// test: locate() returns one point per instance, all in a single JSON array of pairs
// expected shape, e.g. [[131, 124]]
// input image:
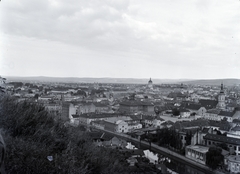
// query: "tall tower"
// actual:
[[150, 84], [221, 99]]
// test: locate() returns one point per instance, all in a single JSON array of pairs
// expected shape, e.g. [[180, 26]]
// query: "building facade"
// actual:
[[197, 153]]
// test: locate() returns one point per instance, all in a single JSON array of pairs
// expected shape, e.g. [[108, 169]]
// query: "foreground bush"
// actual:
[[37, 143]]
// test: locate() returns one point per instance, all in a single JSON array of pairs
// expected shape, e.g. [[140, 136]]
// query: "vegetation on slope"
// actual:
[[33, 137]]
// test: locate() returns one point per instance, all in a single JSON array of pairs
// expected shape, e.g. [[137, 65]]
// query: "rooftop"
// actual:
[[234, 158], [221, 138], [226, 113], [202, 149], [136, 103]]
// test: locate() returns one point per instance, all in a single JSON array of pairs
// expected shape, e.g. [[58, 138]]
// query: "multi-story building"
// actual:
[[233, 164], [232, 143], [197, 153], [134, 106]]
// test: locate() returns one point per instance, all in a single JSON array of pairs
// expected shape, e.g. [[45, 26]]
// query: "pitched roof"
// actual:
[[136, 103], [236, 128], [193, 123], [176, 94], [75, 116], [213, 111], [223, 139], [160, 118], [183, 110], [100, 135], [226, 113], [100, 104], [193, 106], [101, 115], [208, 104], [205, 130]]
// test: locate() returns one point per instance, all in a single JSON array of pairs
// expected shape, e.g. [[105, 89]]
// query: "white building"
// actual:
[[233, 164], [197, 153]]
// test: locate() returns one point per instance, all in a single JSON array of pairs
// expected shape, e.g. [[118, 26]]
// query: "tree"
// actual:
[[214, 158], [32, 135], [2, 83], [176, 112], [30, 91], [223, 146], [156, 110], [188, 138], [36, 96]]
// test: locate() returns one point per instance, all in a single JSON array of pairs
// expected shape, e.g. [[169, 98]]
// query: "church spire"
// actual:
[[222, 91]]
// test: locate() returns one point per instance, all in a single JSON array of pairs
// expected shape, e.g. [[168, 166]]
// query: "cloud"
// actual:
[[169, 34]]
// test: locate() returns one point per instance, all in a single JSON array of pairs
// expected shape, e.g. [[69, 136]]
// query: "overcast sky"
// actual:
[[165, 39]]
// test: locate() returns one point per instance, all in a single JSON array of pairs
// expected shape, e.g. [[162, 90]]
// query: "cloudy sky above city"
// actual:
[[164, 39]]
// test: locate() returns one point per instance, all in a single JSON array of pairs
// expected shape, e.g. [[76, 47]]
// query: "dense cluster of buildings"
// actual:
[[210, 113]]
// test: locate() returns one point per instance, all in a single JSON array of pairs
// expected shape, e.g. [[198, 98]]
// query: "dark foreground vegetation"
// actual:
[[38, 143]]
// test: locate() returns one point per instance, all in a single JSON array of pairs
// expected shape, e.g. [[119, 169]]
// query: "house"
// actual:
[[177, 96], [231, 106], [184, 113], [167, 124], [197, 153], [122, 126], [148, 120], [232, 143], [99, 124], [114, 143], [212, 114], [74, 119], [196, 109], [133, 126], [234, 132], [88, 118], [46, 99], [100, 136], [83, 108], [101, 108], [119, 126], [233, 164], [197, 137], [227, 115], [134, 106], [53, 108], [194, 124], [158, 121], [208, 104], [236, 113]]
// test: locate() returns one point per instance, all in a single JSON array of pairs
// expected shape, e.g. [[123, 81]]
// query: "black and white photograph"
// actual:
[[120, 87]]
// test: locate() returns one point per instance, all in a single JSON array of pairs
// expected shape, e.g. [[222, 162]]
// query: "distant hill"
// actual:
[[227, 82], [213, 82], [93, 80]]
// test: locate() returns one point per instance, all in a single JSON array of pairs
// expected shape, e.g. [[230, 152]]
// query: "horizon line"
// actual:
[[233, 78]]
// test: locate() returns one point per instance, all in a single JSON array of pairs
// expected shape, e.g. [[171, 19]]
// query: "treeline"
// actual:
[[169, 138], [37, 143]]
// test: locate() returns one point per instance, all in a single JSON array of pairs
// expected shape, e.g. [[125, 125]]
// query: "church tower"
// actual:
[[150, 84], [221, 99]]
